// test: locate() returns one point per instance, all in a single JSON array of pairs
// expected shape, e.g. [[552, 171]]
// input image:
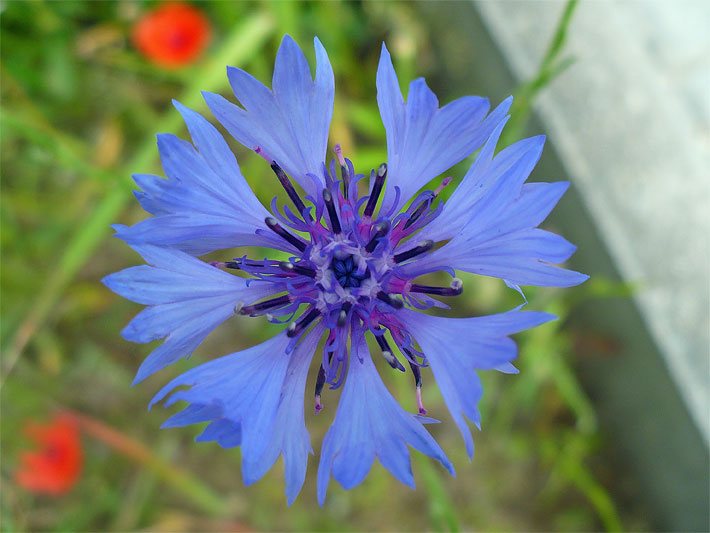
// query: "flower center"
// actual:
[[347, 273], [346, 267]]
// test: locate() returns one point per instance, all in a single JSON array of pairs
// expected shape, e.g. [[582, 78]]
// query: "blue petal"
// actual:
[[223, 431], [197, 234], [187, 297], [236, 383], [205, 204], [290, 124], [491, 220], [370, 423], [491, 185], [422, 140], [254, 399], [193, 414], [455, 347], [290, 436]]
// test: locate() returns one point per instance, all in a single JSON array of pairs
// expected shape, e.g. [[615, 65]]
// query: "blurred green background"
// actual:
[[80, 110]]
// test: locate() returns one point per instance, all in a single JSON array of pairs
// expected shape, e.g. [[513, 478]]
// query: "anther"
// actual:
[[376, 190], [415, 216], [298, 269], [417, 373], [343, 315], [320, 383], [422, 247], [274, 226], [381, 229], [454, 289], [259, 308], [387, 353], [297, 327], [441, 186], [332, 213], [426, 203], [344, 174], [288, 186], [393, 302]]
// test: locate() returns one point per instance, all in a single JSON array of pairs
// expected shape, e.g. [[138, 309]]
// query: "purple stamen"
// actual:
[[381, 229], [387, 298], [426, 203], [241, 263], [442, 185], [302, 323], [332, 213], [288, 186], [387, 352], [338, 151], [320, 383], [420, 403], [274, 226], [417, 213], [418, 383], [297, 268], [344, 173], [376, 190], [261, 307], [260, 151], [421, 248], [343, 315], [455, 289]]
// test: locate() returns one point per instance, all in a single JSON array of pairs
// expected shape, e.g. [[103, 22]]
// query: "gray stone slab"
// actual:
[[631, 122]]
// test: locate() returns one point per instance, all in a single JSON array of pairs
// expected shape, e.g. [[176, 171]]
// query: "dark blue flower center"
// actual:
[[346, 272]]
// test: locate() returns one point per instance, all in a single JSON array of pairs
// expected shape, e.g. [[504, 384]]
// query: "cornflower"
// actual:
[[351, 271]]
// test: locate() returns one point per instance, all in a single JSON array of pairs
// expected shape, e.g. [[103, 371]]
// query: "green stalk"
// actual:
[[199, 494], [550, 67], [238, 47]]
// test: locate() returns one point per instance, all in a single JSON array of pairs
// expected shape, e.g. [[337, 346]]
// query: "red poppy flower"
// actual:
[[55, 466], [172, 35]]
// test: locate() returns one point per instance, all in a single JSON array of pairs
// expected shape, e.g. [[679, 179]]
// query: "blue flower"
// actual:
[[352, 271]]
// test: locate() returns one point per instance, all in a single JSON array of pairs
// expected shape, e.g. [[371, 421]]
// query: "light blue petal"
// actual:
[[193, 414], [534, 204], [455, 347], [472, 188], [290, 436], [526, 271], [422, 140], [291, 123], [204, 194], [158, 321], [260, 394], [223, 431], [184, 338], [232, 381], [198, 234], [220, 158], [187, 299], [370, 423], [491, 222]]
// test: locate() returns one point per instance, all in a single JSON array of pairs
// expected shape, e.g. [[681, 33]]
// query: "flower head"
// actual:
[[55, 466], [172, 35], [356, 246]]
